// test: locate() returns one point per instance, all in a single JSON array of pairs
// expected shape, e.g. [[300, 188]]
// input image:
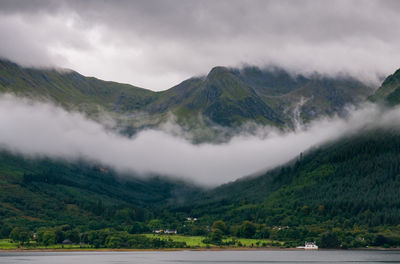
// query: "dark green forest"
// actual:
[[81, 196], [350, 187], [347, 191]]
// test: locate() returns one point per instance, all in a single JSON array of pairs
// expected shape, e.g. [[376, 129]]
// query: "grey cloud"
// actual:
[[156, 44], [37, 129], [33, 6]]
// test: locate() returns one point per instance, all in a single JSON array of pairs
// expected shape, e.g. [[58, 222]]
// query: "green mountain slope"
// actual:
[[69, 88], [389, 92], [352, 182], [221, 97], [304, 97], [44, 192], [226, 97], [348, 187], [273, 96]]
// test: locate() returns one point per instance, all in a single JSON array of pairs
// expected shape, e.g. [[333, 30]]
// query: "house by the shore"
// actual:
[[309, 245]]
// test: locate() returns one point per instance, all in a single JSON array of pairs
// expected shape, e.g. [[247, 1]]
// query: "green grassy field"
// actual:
[[197, 241], [7, 244], [58, 246], [192, 241]]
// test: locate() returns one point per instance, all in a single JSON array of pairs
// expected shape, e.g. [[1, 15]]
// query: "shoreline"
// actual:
[[181, 249]]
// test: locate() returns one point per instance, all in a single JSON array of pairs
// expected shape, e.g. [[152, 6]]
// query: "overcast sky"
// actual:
[[157, 44]]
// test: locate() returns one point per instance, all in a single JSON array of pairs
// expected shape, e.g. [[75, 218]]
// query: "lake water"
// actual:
[[198, 257]]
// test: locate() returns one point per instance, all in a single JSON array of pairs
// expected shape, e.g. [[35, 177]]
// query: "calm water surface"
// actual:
[[198, 257]]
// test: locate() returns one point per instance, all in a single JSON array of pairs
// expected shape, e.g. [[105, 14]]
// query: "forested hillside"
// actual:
[[350, 186], [45, 192]]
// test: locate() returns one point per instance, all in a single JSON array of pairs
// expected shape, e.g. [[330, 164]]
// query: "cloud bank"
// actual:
[[157, 44], [40, 129]]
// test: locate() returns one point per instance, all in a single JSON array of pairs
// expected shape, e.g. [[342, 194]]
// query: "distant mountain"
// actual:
[[71, 89], [389, 92], [225, 97], [222, 97], [303, 97]]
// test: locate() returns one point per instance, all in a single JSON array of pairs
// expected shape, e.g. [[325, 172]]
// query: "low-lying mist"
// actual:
[[42, 129]]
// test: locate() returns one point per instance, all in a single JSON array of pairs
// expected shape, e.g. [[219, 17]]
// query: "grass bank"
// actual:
[[191, 241], [197, 241]]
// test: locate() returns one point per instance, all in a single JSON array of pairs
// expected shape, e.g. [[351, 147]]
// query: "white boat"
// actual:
[[309, 245]]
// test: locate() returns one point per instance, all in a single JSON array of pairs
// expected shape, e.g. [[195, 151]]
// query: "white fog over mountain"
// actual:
[[42, 129]]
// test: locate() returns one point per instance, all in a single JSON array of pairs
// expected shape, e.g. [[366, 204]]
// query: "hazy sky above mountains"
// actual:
[[157, 44]]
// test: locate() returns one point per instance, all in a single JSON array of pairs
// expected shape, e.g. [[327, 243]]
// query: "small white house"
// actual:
[[309, 245], [170, 232]]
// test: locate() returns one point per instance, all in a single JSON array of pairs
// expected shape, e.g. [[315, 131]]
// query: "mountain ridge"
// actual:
[[225, 97]]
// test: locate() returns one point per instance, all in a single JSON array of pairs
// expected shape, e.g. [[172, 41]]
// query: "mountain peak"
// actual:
[[216, 71]]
